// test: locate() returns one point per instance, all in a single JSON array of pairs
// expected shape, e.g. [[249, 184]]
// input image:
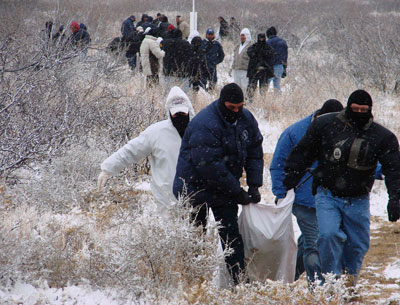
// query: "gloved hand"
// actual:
[[254, 194], [393, 209], [101, 181], [243, 198], [284, 71], [290, 181]]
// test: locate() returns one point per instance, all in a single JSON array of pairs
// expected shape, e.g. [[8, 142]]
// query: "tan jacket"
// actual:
[[185, 28], [149, 44], [240, 61]]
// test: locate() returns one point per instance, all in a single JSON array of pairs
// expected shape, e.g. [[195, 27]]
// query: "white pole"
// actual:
[[193, 19]]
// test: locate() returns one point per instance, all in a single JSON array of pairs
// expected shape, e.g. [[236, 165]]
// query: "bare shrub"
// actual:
[[116, 243], [368, 47]]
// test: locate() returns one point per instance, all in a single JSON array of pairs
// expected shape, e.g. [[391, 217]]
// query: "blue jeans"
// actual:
[[307, 251], [278, 70], [343, 237]]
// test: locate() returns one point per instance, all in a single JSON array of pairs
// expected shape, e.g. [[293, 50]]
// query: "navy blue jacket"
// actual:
[[127, 28], [214, 52], [213, 154], [281, 49], [288, 139]]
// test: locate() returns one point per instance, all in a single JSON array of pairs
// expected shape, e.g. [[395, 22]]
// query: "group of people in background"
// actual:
[[190, 61]]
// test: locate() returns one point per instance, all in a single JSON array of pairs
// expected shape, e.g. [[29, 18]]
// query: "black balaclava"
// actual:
[[231, 93], [180, 122], [330, 106], [260, 36], [359, 119]]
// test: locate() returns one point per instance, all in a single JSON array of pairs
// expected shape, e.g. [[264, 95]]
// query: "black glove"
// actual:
[[290, 181], [284, 71], [243, 198], [393, 209], [254, 194]]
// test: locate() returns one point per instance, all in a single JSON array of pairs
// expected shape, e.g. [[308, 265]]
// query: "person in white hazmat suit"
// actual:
[[241, 59], [161, 142]]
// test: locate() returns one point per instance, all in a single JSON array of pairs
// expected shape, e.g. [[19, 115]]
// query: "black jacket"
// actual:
[[177, 55], [132, 43], [80, 39], [347, 156], [163, 26], [261, 60], [197, 63], [223, 28]]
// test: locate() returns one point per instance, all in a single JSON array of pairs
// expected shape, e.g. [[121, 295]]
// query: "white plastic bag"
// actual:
[[269, 242], [222, 278]]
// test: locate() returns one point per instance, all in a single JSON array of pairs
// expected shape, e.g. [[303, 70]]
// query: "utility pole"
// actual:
[[193, 18]]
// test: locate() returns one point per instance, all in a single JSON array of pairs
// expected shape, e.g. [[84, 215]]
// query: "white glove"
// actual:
[[101, 181]]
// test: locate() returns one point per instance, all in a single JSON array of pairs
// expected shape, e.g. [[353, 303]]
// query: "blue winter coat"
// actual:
[[127, 28], [288, 139], [213, 154], [281, 49], [214, 52]]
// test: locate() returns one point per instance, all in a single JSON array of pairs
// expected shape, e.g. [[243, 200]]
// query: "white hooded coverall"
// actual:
[[161, 143]]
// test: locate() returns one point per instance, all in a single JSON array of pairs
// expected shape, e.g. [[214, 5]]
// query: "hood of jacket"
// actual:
[[242, 46], [177, 93], [192, 35], [246, 32]]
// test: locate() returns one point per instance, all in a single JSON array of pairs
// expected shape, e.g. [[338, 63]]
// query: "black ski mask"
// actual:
[[231, 93], [359, 119], [180, 122]]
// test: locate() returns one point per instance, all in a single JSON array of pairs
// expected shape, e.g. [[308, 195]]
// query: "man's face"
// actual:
[[219, 19], [360, 108], [243, 38], [210, 36], [145, 19], [178, 20], [234, 107]]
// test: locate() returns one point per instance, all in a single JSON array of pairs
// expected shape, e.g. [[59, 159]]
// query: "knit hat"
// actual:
[[171, 27], [271, 31], [74, 27], [359, 97], [330, 106], [231, 93]]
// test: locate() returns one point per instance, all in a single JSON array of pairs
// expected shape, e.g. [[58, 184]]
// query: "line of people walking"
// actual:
[[203, 156]]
